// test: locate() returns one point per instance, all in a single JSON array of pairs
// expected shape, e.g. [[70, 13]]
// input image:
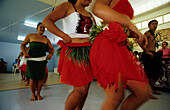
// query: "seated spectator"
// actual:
[[3, 66], [16, 62], [166, 51], [15, 66]]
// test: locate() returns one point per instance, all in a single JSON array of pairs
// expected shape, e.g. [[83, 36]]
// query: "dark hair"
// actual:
[[39, 24], [136, 52], [45, 36], [165, 43], [151, 22], [72, 1]]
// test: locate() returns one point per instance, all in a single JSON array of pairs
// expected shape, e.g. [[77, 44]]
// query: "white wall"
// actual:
[[10, 51]]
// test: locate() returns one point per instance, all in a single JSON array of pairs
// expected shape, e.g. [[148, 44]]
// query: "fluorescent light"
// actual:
[[30, 24], [21, 38]]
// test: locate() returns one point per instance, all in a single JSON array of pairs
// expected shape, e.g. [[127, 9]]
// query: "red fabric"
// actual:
[[46, 70], [23, 67], [76, 74], [109, 57], [124, 7]]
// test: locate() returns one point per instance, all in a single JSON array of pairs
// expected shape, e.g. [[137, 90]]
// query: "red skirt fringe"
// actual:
[[23, 67], [109, 57], [73, 73]]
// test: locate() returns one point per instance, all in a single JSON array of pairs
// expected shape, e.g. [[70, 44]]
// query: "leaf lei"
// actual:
[[95, 30]]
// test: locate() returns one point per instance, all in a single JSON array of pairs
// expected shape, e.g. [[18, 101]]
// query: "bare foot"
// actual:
[[153, 97], [156, 92], [39, 97], [33, 99]]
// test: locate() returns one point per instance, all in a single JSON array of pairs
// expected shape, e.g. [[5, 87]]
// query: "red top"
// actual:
[[124, 7]]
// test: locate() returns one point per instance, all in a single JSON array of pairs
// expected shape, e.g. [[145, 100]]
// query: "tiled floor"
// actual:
[[55, 96]]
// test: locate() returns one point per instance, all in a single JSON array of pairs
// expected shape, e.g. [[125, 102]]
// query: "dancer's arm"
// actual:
[[23, 44], [103, 10], [49, 21]]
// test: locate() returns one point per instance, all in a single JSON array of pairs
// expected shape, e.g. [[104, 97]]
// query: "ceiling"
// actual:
[[15, 12]]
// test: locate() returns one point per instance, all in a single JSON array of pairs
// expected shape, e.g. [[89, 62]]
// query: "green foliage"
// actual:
[[78, 54], [95, 31], [129, 45], [58, 51]]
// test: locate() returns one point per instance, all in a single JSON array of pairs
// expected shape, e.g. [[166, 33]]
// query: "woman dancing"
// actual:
[[113, 65], [74, 56]]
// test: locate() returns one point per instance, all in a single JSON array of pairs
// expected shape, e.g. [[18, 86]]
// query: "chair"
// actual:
[[15, 68]]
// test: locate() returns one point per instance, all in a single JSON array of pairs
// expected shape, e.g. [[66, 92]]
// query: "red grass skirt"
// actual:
[[46, 70], [109, 57], [73, 73], [23, 67]]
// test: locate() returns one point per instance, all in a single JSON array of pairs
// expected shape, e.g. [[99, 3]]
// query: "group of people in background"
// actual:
[[3, 66], [107, 59]]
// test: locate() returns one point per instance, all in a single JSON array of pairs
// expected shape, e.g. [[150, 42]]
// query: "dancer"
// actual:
[[36, 59], [113, 65], [74, 56], [151, 59], [23, 66]]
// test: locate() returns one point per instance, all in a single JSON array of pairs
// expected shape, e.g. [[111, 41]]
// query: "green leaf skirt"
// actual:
[[77, 54]]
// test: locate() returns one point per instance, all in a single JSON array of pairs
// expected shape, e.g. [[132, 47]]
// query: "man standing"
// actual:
[[152, 60]]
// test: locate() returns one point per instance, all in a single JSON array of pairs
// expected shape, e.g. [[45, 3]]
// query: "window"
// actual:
[[159, 19], [139, 26], [166, 18], [144, 24]]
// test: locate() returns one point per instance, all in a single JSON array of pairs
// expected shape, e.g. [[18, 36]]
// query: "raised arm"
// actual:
[[20, 55], [49, 21], [103, 10]]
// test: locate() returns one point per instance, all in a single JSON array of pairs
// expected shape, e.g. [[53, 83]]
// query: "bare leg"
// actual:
[[113, 97], [28, 81], [39, 87], [150, 95], [140, 94], [152, 83], [45, 77], [81, 104], [75, 97], [33, 89], [22, 75]]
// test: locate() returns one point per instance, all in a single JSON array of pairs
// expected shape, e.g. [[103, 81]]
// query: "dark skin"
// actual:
[[151, 47], [38, 37], [77, 97], [67, 9], [139, 90], [150, 38]]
